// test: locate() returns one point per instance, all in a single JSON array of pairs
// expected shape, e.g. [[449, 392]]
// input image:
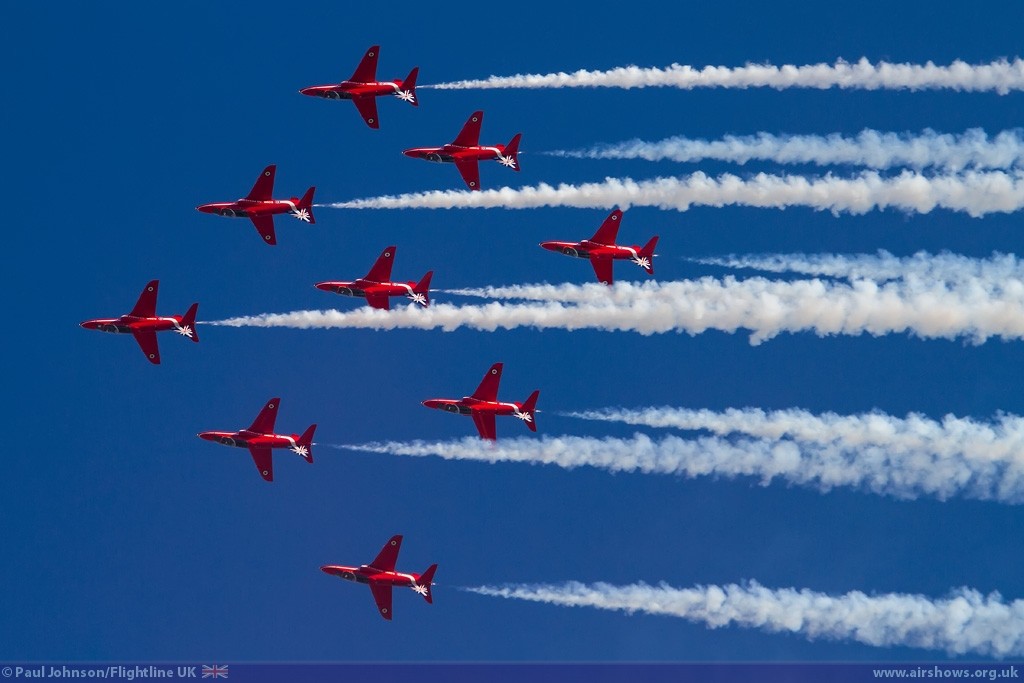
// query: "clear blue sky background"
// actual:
[[126, 537]]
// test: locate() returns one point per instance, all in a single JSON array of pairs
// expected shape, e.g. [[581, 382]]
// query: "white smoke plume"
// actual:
[[764, 307], [962, 444], [822, 466], [973, 192], [965, 622], [1000, 76], [972, 149], [994, 273]]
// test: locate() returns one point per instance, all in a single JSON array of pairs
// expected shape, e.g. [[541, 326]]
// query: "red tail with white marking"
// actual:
[[646, 256], [304, 209], [511, 155], [423, 288], [188, 323], [529, 411], [424, 583], [304, 446], [409, 87]]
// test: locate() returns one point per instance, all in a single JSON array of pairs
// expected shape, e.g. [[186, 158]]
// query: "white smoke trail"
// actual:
[[764, 307], [992, 273], [975, 193], [822, 466], [964, 622], [975, 445], [1000, 76], [952, 153]]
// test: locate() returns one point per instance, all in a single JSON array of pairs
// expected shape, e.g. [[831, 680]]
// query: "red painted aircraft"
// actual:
[[381, 576], [377, 288], [364, 89], [465, 152], [602, 250], [260, 207], [144, 323], [260, 438], [484, 405]]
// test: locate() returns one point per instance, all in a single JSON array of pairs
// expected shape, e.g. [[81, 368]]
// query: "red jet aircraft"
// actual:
[[483, 405], [364, 89], [144, 323], [602, 250], [465, 152], [259, 438], [259, 207], [382, 577], [377, 289]]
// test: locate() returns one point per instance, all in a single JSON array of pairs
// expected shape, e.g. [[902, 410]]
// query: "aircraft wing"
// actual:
[[603, 268], [263, 188], [147, 342], [264, 461], [469, 136], [387, 558], [382, 596], [609, 230], [381, 269], [488, 387], [265, 227], [366, 72], [367, 107], [264, 422], [485, 425], [145, 307], [470, 171], [379, 301]]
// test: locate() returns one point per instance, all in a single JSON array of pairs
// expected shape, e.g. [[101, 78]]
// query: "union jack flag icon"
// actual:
[[215, 671]]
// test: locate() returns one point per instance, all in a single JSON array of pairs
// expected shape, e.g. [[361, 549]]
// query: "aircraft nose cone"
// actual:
[[323, 286], [409, 153]]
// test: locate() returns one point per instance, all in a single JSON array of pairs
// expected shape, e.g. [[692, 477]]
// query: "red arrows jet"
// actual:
[[602, 250], [377, 289], [381, 576], [144, 323], [465, 152], [483, 405], [259, 438], [364, 89], [259, 207]]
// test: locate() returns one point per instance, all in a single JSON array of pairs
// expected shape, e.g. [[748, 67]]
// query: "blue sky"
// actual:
[[126, 537]]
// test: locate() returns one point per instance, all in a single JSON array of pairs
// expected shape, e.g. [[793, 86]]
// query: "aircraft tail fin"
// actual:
[[423, 288], [304, 446], [512, 153], [304, 209], [425, 582], [529, 411], [646, 260], [409, 87], [187, 326]]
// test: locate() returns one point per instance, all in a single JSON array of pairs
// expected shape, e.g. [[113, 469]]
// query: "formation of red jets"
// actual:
[[377, 288]]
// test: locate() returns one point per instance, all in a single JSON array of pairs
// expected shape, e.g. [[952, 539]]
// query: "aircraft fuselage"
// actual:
[[347, 90], [469, 405], [247, 439], [448, 154], [361, 288], [247, 208], [129, 324], [368, 574], [588, 249]]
